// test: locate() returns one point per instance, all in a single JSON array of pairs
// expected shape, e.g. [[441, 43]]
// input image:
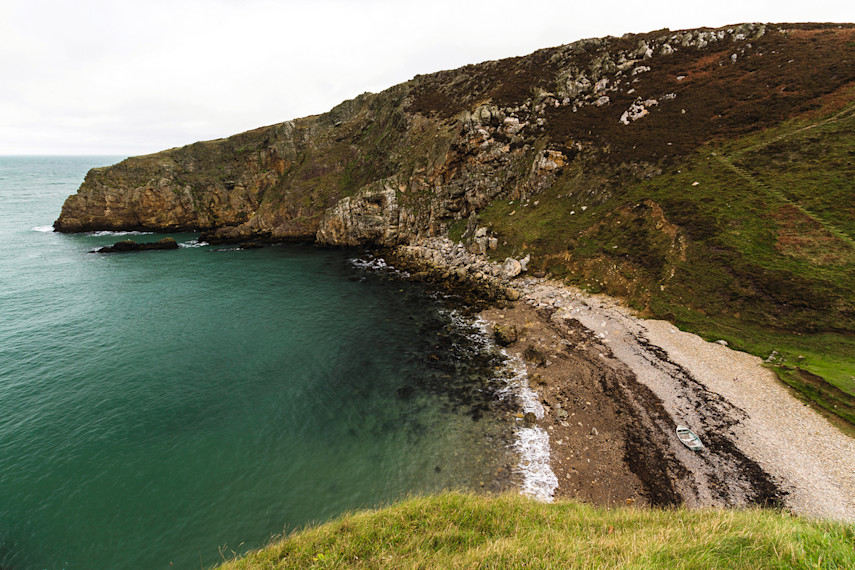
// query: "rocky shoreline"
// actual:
[[613, 387], [455, 267]]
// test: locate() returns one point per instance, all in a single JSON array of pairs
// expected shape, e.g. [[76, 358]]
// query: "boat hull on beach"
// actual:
[[689, 438]]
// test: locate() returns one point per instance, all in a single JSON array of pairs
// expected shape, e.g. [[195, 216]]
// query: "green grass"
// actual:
[[465, 531]]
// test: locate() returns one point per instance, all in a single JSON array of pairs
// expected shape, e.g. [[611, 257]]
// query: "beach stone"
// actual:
[[529, 419], [534, 355], [511, 268], [512, 294], [505, 335]]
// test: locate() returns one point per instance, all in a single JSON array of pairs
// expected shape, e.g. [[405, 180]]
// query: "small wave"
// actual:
[[375, 264], [532, 443], [104, 233], [539, 481], [43, 229], [193, 243]]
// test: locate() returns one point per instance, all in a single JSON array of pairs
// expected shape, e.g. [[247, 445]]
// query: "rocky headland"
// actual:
[[701, 176], [411, 161]]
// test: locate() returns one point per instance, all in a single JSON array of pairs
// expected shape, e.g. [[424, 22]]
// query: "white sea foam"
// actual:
[[43, 229], [376, 264], [539, 481], [532, 443], [193, 243], [105, 233]]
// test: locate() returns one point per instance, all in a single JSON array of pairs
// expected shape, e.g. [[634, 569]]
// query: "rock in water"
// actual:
[[131, 245]]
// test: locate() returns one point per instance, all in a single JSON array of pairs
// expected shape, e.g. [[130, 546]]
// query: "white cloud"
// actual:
[[132, 77]]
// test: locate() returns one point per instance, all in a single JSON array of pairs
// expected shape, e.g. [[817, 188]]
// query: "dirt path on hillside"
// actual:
[[614, 387]]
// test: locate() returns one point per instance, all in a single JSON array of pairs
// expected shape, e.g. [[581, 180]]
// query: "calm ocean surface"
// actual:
[[160, 407]]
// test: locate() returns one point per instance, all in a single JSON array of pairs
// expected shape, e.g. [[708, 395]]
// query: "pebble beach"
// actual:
[[612, 387]]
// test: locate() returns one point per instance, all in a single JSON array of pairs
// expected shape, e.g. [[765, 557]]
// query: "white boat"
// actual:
[[689, 438]]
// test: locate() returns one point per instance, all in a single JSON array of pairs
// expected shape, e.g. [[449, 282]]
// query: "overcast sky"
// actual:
[[125, 78]]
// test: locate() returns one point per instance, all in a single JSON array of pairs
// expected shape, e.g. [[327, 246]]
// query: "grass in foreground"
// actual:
[[466, 531]]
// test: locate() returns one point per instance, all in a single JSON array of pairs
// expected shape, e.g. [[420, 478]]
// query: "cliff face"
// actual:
[[412, 160]]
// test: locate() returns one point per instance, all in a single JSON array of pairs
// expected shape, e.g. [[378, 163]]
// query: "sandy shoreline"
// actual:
[[604, 376]]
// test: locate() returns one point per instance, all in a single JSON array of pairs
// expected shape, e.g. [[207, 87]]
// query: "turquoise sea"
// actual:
[[167, 408]]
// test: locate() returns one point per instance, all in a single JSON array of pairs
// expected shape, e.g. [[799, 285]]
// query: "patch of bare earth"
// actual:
[[804, 238], [589, 432]]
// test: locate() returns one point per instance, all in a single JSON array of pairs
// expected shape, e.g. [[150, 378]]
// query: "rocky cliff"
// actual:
[[412, 160]]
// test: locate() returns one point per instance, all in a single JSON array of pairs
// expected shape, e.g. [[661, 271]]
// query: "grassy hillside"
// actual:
[[748, 239], [465, 531]]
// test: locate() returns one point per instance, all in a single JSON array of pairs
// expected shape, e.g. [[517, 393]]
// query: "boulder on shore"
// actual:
[[505, 335]]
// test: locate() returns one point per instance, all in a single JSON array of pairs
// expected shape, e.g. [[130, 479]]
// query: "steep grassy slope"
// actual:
[[462, 531]]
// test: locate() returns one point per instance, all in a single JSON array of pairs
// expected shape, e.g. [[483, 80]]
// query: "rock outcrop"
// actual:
[[371, 216]]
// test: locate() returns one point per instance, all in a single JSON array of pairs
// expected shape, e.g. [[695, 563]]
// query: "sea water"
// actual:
[[175, 407]]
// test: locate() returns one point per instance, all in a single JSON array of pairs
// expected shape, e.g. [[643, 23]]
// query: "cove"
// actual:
[[177, 406]]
